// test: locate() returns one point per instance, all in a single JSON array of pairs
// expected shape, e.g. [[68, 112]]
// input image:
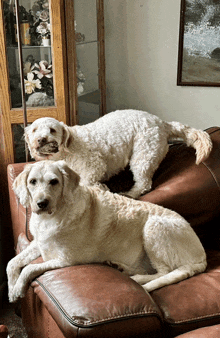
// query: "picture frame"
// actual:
[[199, 43]]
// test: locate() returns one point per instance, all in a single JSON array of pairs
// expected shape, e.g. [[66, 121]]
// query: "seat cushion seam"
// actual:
[[195, 318]]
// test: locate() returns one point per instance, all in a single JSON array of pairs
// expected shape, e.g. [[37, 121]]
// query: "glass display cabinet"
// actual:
[[60, 45]]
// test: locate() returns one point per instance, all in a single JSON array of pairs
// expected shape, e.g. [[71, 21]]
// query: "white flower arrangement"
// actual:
[[39, 77], [43, 29], [31, 84], [42, 69], [41, 19]]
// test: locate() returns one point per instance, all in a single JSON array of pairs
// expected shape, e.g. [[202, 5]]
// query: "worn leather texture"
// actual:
[[205, 332], [99, 301], [109, 302], [194, 302]]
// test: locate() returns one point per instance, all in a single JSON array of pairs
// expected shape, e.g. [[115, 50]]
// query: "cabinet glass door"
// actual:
[[35, 28], [43, 58], [87, 60]]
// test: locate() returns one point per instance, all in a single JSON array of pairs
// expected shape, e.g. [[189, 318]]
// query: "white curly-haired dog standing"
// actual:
[[101, 149], [94, 226]]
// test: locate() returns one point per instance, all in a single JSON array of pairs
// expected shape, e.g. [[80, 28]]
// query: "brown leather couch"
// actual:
[[99, 301]]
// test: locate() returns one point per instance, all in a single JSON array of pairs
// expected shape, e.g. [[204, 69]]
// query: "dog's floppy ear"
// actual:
[[67, 136], [71, 178], [26, 130], [20, 186]]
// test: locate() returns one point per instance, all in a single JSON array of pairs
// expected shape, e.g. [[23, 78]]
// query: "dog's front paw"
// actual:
[[13, 273], [12, 296], [17, 292], [14, 293]]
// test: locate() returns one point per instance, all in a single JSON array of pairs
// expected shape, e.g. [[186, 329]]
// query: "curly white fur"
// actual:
[[75, 224], [101, 149]]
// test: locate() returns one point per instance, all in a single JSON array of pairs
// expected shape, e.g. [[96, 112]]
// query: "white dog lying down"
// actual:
[[76, 224], [101, 149]]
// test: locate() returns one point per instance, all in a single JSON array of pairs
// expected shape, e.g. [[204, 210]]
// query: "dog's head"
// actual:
[[45, 137], [45, 185]]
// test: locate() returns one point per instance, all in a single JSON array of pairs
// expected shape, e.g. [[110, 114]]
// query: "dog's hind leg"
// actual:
[[173, 248], [175, 276], [147, 155]]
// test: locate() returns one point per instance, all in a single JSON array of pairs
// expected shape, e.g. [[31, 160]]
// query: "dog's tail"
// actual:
[[198, 139]]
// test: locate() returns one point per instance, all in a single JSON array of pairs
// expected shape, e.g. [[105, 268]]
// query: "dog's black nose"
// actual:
[[42, 141], [42, 204]]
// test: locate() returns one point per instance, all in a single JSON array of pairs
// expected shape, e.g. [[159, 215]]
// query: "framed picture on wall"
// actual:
[[199, 43]]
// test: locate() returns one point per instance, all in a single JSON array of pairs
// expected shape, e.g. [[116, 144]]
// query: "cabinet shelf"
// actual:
[[28, 47], [90, 97], [86, 42]]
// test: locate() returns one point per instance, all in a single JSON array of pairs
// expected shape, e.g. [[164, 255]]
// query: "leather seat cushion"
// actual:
[[194, 302]]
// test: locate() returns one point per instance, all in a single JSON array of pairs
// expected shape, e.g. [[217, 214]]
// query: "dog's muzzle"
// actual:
[[48, 148]]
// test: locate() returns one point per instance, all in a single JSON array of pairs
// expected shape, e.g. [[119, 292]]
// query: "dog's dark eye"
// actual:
[[54, 181], [52, 130], [33, 181], [34, 130]]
